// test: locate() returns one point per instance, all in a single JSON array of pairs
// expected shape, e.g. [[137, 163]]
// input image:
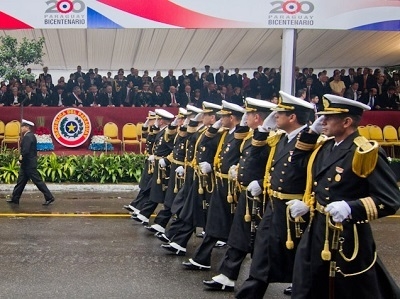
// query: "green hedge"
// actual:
[[94, 168]]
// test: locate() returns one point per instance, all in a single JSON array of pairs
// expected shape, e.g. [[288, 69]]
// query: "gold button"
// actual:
[[241, 174], [279, 188], [281, 180], [244, 159], [283, 172], [327, 198], [327, 188], [272, 168], [315, 183], [329, 179], [284, 164]]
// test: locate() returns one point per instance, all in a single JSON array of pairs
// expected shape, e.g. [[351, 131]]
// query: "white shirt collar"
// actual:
[[294, 133]]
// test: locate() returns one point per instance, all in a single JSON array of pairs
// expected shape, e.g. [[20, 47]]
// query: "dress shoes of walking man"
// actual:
[[48, 201], [288, 291], [175, 251], [12, 201], [218, 286], [220, 283], [192, 265], [162, 237]]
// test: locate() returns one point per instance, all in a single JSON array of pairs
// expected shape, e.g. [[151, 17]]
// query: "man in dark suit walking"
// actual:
[[28, 170]]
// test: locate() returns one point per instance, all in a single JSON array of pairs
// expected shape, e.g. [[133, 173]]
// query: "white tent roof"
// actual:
[[162, 49]]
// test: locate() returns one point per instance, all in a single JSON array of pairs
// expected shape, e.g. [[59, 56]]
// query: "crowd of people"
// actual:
[[378, 90], [264, 181]]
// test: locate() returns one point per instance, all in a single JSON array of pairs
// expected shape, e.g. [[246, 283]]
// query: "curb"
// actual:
[[76, 187]]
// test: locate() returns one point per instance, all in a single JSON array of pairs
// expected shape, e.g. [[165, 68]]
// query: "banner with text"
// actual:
[[308, 14]]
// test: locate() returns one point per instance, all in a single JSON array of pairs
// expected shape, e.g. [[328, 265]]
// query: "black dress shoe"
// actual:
[[218, 286], [149, 227], [162, 237], [134, 217], [288, 291], [13, 201], [190, 266], [48, 201], [173, 250], [127, 207]]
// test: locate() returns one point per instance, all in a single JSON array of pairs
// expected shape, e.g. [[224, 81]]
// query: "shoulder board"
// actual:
[[274, 137], [365, 156]]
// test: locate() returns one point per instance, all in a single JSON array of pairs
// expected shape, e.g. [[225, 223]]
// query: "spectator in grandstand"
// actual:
[[169, 81], [255, 86], [237, 97], [143, 97], [43, 97], [79, 72], [171, 97], [337, 86], [76, 98], [352, 92], [146, 79], [59, 98], [208, 76], [158, 99], [127, 95], [236, 79], [221, 78], [388, 100]]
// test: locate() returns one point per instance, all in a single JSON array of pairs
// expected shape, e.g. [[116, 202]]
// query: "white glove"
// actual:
[[180, 170], [232, 172], [186, 122], [243, 121], [146, 123], [297, 208], [151, 158], [254, 188], [217, 124], [339, 210], [162, 163], [175, 122], [269, 123], [205, 167], [198, 117], [156, 123], [317, 125]]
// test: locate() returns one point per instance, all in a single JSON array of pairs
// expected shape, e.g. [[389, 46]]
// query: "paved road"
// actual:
[[79, 257]]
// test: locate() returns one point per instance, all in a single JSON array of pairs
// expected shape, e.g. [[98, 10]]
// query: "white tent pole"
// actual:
[[289, 41]]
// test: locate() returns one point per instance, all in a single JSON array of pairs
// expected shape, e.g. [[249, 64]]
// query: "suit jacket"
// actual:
[[320, 90], [221, 79], [43, 99], [370, 82], [350, 94], [168, 99], [210, 96], [143, 98], [28, 151], [10, 100], [157, 99], [105, 100], [236, 80], [169, 82], [73, 100], [387, 103], [237, 99], [349, 80], [255, 87], [184, 99], [34, 100], [127, 97], [91, 98], [54, 99]]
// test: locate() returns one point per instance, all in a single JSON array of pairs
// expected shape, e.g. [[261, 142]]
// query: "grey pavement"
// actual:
[[83, 257]]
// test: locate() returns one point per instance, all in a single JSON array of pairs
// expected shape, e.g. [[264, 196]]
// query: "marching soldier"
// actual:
[[284, 179], [149, 131], [349, 184], [193, 211], [251, 166], [163, 145], [175, 159], [222, 202]]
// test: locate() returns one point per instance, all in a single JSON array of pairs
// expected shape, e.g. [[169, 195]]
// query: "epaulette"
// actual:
[[365, 156], [274, 137]]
